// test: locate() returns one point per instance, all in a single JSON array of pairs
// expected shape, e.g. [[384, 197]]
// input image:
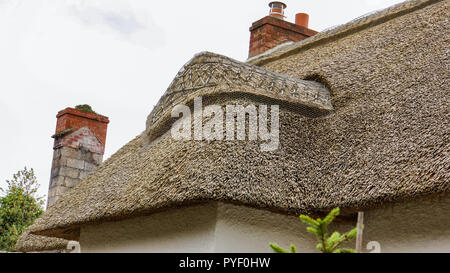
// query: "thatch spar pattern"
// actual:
[[209, 74]]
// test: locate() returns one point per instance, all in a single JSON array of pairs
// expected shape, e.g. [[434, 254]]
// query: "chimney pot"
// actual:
[[277, 9], [272, 30], [302, 19]]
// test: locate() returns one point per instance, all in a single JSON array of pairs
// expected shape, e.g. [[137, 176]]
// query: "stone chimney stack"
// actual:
[[78, 149], [273, 30]]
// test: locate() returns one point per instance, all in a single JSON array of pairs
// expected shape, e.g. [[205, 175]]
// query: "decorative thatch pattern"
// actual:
[[209, 74], [386, 140]]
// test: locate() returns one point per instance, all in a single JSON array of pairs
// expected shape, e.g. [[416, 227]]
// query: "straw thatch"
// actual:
[[385, 140], [338, 32], [36, 243]]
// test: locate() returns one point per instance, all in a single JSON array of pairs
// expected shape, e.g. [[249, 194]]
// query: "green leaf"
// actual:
[[277, 249], [352, 233], [309, 221], [344, 250], [333, 240], [293, 249], [319, 246], [312, 230], [331, 216]]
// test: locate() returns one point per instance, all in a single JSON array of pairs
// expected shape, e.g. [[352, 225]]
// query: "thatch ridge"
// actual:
[[211, 75], [342, 31]]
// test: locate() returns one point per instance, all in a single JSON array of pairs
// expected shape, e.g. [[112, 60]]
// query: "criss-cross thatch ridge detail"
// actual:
[[209, 74], [208, 70]]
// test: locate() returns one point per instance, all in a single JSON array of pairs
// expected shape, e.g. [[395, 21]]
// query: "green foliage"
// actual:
[[85, 107], [319, 227], [18, 207], [277, 249]]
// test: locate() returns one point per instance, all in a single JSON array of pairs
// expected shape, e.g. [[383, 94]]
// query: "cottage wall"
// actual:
[[420, 226]]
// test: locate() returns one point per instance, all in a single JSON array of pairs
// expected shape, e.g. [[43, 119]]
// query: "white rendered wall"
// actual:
[[421, 226], [188, 229]]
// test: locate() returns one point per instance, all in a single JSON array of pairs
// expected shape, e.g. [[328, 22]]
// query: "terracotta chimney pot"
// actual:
[[302, 19]]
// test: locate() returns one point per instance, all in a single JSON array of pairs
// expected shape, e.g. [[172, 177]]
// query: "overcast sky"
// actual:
[[119, 56]]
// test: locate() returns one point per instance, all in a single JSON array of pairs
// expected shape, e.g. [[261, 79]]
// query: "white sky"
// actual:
[[118, 56]]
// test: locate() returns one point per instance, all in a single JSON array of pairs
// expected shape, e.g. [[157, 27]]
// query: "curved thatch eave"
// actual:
[[385, 140], [35, 243]]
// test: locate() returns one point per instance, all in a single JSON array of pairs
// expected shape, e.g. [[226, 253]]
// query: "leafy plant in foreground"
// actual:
[[319, 227]]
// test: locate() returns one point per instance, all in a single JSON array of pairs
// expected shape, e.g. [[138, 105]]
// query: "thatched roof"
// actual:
[[385, 139], [36, 243], [338, 32], [211, 75]]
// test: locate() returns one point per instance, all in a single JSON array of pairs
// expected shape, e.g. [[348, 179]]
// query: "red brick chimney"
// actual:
[[272, 30], [78, 149]]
